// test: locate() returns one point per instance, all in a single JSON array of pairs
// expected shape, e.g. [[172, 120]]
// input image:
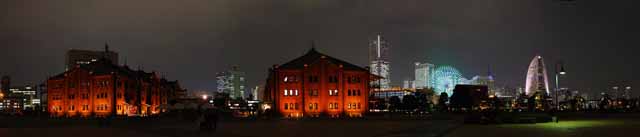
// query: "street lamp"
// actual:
[[559, 71]]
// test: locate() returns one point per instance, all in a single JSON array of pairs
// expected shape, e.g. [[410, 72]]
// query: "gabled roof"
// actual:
[[312, 55]]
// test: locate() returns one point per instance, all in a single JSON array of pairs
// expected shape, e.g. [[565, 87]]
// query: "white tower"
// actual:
[[379, 58], [537, 80]]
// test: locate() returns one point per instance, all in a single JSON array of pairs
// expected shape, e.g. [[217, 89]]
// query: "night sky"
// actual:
[[192, 40]]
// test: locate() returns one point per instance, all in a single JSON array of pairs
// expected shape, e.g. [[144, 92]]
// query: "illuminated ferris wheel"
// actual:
[[445, 78]]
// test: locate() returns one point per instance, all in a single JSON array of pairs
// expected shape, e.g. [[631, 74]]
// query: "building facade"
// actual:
[[101, 89], [232, 82], [317, 84], [423, 75], [380, 60]]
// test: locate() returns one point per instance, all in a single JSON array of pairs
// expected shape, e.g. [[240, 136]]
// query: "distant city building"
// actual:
[[102, 88], [409, 84], [391, 92], [258, 92], [506, 92], [537, 80], [445, 78], [423, 75], [29, 96], [13, 103], [316, 84], [484, 81], [5, 85], [82, 57], [379, 55], [232, 82]]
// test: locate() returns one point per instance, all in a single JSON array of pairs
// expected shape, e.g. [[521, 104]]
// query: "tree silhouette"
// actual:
[[442, 101], [394, 103]]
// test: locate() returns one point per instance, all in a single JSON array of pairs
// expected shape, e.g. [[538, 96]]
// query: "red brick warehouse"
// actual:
[[317, 84], [102, 88]]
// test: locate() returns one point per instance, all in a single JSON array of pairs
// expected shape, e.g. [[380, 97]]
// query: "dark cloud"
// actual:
[[191, 40]]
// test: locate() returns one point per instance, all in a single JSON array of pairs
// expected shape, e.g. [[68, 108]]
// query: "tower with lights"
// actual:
[[380, 60]]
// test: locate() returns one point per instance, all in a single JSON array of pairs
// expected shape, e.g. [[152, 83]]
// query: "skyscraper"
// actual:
[[380, 60], [537, 80], [422, 75], [232, 82]]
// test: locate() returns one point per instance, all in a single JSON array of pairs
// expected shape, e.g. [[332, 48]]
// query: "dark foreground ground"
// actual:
[[571, 125], [381, 127]]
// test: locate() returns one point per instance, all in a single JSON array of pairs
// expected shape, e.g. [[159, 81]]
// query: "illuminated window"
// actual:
[[296, 92], [333, 92], [286, 93]]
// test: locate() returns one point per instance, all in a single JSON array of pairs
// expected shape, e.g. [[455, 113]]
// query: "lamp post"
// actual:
[[559, 71]]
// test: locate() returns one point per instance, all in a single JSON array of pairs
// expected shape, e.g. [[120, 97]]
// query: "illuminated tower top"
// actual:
[[537, 80], [379, 49]]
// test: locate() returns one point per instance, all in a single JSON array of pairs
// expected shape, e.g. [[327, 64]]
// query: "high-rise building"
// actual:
[[380, 61], [316, 84], [82, 57], [423, 75], [537, 80], [232, 82]]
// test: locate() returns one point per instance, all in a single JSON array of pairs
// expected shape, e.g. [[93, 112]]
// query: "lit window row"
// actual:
[[291, 106], [353, 106], [333, 106], [313, 106], [333, 92], [56, 108], [290, 92]]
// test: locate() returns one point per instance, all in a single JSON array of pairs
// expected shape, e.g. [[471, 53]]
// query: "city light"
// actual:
[[204, 97]]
